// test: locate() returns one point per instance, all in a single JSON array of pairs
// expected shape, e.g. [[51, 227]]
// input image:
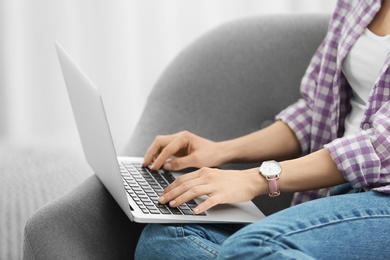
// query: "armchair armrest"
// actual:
[[86, 223]]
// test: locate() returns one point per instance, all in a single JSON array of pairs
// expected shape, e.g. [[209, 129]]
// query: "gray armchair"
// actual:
[[230, 82]]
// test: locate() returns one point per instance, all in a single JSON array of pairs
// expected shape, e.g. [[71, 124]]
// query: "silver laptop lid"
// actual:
[[93, 127]]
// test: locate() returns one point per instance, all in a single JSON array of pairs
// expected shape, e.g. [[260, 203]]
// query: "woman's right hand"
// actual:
[[182, 150]]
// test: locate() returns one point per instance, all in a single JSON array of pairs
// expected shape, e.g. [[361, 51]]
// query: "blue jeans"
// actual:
[[349, 226]]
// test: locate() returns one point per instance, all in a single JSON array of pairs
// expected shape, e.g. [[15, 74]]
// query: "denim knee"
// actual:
[[256, 248], [247, 244], [154, 241], [170, 241]]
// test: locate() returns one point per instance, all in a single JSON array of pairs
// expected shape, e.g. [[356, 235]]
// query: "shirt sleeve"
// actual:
[[299, 115], [364, 157]]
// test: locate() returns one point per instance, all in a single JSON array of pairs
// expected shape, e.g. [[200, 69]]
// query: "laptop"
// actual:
[[134, 188]]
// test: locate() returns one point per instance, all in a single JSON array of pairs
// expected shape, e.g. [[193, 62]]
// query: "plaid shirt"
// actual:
[[318, 117]]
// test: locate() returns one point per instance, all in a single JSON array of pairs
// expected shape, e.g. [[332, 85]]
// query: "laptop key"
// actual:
[[145, 211], [187, 212], [183, 206], [165, 211], [151, 207], [176, 211], [154, 199], [145, 200], [169, 177]]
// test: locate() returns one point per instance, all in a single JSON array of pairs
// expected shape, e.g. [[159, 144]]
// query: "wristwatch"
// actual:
[[271, 171]]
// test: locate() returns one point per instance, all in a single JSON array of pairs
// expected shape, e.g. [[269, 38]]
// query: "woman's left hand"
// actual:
[[221, 186]]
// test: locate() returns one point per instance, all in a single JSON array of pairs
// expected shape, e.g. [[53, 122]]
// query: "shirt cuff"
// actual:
[[356, 158]]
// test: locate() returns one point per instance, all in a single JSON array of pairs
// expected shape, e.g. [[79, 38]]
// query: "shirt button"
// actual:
[[366, 126]]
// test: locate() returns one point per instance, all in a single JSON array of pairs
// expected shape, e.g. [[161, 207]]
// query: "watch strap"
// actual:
[[273, 186]]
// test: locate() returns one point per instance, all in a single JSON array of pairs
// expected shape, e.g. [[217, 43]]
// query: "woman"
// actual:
[[341, 126]]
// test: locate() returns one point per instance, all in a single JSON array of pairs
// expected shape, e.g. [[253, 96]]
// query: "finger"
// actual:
[[151, 153], [179, 163], [170, 149], [182, 180], [154, 149], [207, 204], [194, 192], [180, 186]]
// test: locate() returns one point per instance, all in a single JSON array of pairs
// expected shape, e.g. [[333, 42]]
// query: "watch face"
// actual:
[[270, 168]]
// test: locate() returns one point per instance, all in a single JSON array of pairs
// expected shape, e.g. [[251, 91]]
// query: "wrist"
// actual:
[[271, 170], [258, 184]]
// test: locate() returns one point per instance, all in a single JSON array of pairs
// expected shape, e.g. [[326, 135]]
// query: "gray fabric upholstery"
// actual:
[[86, 223], [32, 175], [231, 81]]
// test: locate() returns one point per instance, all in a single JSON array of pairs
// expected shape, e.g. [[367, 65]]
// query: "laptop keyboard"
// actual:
[[145, 186]]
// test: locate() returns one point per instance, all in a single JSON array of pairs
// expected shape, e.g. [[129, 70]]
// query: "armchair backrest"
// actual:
[[232, 80]]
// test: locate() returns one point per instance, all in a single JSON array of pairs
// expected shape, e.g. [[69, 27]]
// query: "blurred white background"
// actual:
[[123, 45]]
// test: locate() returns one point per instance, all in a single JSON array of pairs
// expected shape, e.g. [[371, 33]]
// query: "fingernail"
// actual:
[[161, 199], [167, 166], [172, 203], [196, 210]]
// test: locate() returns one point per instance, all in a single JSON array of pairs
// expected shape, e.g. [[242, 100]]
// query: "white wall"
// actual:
[[123, 45]]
